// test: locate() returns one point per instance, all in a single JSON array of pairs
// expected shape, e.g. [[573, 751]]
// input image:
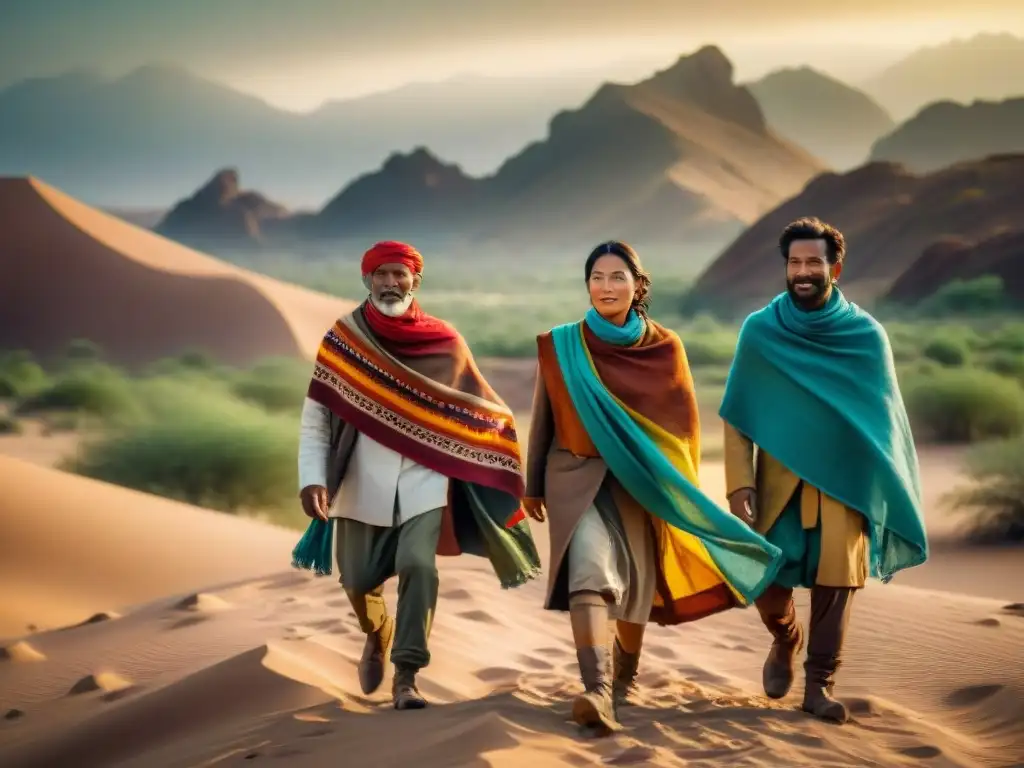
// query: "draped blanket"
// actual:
[[638, 406], [436, 409], [818, 391]]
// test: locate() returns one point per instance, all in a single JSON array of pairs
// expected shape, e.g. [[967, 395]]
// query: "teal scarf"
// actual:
[[746, 560], [625, 335], [817, 390]]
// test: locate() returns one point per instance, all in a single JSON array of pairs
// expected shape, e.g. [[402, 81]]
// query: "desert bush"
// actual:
[[946, 351], [1008, 338], [981, 295], [20, 375], [1007, 364], [962, 405], [994, 499], [96, 390], [81, 352], [216, 453], [278, 385], [709, 349]]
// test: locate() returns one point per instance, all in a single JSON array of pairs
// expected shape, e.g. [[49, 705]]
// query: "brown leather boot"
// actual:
[[625, 670], [778, 613], [829, 616], [403, 689], [594, 707], [375, 651]]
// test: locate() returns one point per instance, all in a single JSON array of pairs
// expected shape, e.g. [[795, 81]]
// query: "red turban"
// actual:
[[392, 252]]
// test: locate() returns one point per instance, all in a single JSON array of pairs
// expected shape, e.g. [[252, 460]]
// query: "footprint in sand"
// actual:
[[13, 714], [661, 651], [108, 682], [990, 622], [457, 594], [922, 752], [203, 602], [498, 675], [481, 617], [20, 652], [1017, 609], [535, 662], [972, 695]]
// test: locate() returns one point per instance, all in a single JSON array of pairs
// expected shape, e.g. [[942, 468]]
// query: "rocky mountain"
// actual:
[[144, 138], [831, 120], [1000, 255], [685, 156], [945, 133], [221, 216], [889, 216], [986, 66]]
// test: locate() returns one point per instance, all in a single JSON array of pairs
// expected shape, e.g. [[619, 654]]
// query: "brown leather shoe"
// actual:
[[403, 690], [375, 651]]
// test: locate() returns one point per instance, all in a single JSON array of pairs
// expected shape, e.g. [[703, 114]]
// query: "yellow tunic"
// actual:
[[844, 541]]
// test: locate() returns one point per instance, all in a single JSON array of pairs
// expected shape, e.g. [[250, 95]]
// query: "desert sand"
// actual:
[[145, 297], [172, 636]]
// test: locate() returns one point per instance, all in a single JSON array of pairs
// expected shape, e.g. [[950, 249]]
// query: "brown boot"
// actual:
[[375, 651], [404, 691], [829, 616], [778, 613], [625, 671], [594, 707]]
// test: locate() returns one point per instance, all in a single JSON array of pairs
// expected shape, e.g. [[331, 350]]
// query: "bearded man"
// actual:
[[836, 484], [406, 453]]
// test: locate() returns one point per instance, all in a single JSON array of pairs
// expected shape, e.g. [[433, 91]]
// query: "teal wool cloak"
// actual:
[[817, 390]]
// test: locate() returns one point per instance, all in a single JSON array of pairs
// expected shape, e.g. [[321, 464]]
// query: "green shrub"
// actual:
[[995, 496], [1009, 338], [961, 405], [981, 295], [709, 349], [95, 390], [276, 385], [214, 453], [20, 375], [1007, 364], [946, 351], [82, 352]]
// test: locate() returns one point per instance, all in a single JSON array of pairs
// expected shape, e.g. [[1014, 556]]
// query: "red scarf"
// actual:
[[413, 334]]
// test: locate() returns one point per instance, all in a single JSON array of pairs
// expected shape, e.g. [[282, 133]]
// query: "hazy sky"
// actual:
[[297, 53]]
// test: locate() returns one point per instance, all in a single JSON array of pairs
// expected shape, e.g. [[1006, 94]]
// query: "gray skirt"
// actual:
[[612, 552]]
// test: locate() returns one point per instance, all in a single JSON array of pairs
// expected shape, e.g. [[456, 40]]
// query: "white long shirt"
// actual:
[[375, 478]]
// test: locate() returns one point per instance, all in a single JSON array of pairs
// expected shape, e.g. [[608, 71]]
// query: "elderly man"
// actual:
[[407, 452], [836, 485]]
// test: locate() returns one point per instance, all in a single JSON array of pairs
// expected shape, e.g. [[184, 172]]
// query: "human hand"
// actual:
[[743, 504], [314, 501], [535, 508]]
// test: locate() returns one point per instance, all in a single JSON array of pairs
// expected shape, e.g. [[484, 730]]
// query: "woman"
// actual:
[[613, 456]]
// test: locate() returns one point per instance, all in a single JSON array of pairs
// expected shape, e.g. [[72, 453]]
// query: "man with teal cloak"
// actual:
[[835, 483]]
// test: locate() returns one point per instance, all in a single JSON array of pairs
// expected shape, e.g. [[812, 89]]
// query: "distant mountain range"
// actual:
[[143, 140], [833, 121], [893, 220], [986, 66], [946, 133], [683, 157]]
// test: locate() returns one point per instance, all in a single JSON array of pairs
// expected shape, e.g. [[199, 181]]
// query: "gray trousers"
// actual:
[[369, 555]]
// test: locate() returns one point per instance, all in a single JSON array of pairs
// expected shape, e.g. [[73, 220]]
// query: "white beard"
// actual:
[[393, 308]]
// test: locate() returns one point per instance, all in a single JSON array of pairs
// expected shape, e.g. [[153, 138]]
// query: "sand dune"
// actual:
[[68, 271], [71, 547], [263, 665]]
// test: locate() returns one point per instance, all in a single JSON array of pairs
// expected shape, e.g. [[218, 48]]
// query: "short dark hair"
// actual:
[[642, 301], [812, 228]]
